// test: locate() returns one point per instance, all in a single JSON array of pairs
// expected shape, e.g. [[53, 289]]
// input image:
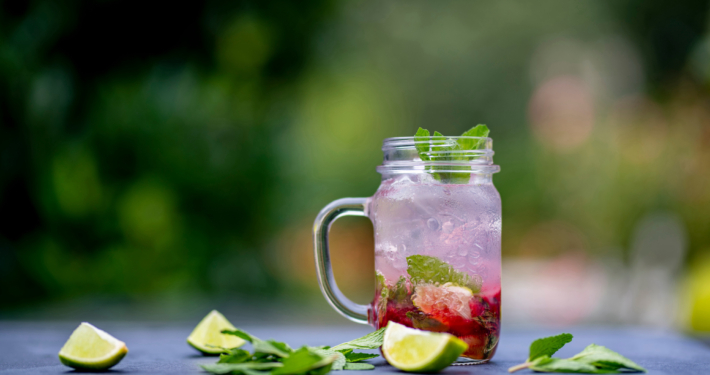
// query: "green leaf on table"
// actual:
[[602, 357], [372, 340], [548, 346], [260, 346], [235, 355], [547, 364], [357, 357], [338, 362], [427, 269], [240, 368], [358, 366], [302, 361]]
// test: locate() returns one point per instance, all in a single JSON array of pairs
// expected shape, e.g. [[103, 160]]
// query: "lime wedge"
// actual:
[[410, 349], [208, 338], [90, 348]]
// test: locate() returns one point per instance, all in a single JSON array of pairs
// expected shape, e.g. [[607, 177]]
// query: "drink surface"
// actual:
[[437, 258]]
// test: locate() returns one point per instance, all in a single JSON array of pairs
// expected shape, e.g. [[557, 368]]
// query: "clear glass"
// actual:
[[437, 242]]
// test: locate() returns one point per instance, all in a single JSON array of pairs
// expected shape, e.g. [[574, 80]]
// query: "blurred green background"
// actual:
[[160, 160]]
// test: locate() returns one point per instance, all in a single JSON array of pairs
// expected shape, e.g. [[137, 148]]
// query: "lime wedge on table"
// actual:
[[208, 338], [413, 350], [90, 348]]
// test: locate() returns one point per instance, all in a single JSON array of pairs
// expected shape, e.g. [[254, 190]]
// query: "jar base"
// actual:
[[463, 361]]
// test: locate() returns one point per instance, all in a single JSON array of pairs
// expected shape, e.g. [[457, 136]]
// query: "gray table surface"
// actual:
[[31, 347]]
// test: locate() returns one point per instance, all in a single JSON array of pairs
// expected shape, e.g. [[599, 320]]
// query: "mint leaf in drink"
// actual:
[[239, 368], [235, 355], [426, 269], [602, 357], [548, 346], [357, 357], [372, 340], [358, 366], [302, 361], [547, 364]]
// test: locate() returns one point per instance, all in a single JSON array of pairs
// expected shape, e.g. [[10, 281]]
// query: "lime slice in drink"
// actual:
[[413, 350], [208, 338], [90, 348]]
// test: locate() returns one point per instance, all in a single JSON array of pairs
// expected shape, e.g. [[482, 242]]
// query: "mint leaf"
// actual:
[[594, 359], [357, 357], [272, 357], [358, 366], [602, 357], [479, 130], [301, 361], [260, 346], [422, 148], [235, 355], [440, 148], [339, 361], [423, 321], [547, 364], [548, 346], [427, 269], [372, 340], [239, 368]]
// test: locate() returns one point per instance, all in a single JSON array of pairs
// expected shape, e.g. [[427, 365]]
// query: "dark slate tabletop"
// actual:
[[31, 347]]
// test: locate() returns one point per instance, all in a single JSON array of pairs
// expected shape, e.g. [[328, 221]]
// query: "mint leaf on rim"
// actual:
[[422, 148], [479, 130], [439, 148]]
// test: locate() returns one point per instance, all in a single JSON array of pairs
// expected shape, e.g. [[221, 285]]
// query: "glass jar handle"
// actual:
[[336, 209]]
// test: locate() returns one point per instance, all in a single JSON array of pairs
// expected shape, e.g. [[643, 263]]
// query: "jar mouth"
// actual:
[[444, 154]]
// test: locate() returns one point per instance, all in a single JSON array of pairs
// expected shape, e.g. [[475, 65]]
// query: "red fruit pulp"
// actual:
[[480, 331]]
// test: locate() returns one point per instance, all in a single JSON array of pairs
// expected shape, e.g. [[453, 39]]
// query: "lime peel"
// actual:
[[208, 338], [89, 348], [413, 350]]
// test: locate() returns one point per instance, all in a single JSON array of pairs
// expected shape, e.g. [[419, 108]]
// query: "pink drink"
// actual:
[[440, 232], [437, 219]]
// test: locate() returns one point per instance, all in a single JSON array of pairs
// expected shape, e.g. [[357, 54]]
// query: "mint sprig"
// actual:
[[440, 148], [548, 345], [272, 357], [602, 357], [594, 359]]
